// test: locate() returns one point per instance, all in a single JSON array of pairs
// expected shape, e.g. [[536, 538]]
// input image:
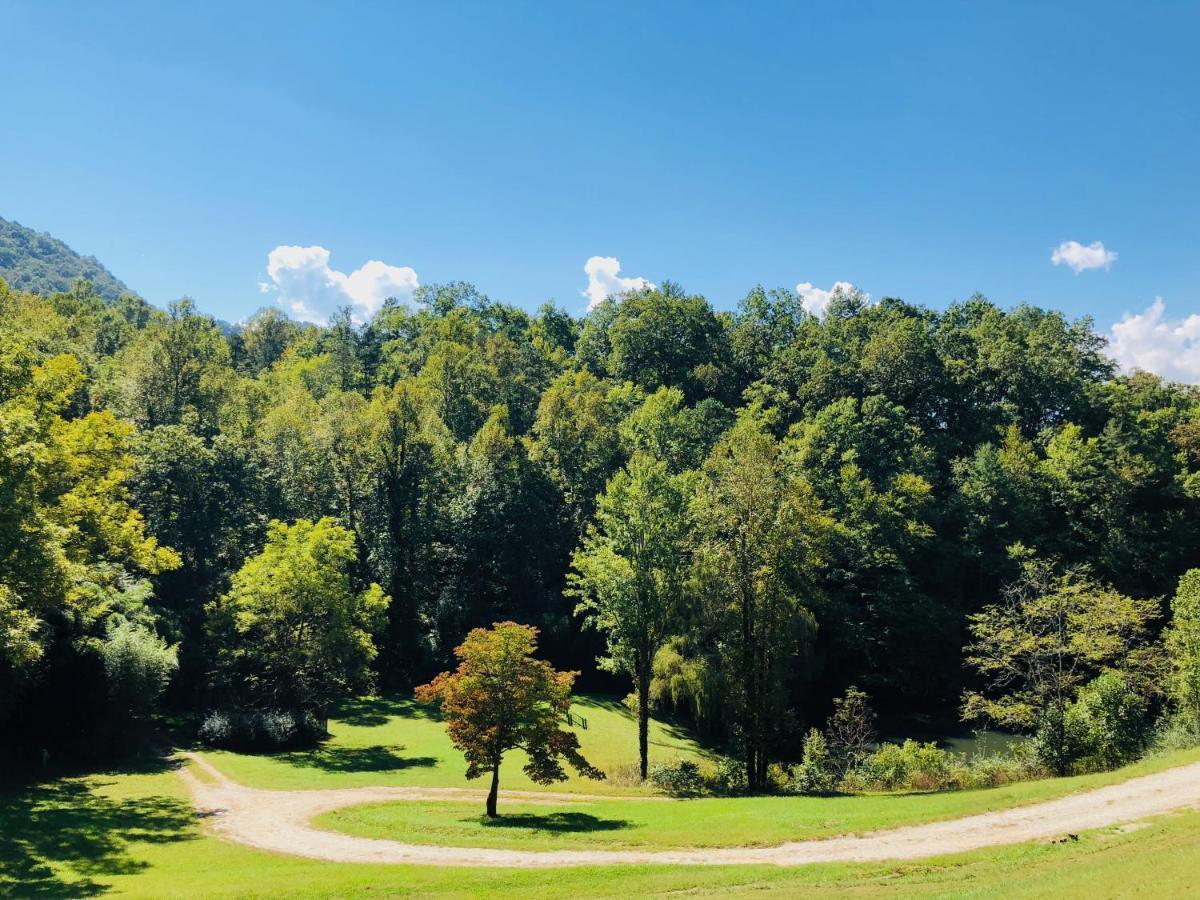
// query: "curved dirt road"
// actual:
[[279, 821]]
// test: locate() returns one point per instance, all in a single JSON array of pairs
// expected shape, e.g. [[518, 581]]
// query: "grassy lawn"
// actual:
[[130, 832], [710, 822], [379, 741], [386, 741]]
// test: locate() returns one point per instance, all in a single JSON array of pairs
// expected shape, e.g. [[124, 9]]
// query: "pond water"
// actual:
[[970, 743]]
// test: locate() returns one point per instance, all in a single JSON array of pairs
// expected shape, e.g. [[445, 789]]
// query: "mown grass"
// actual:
[[709, 822], [388, 741], [130, 832], [380, 741]]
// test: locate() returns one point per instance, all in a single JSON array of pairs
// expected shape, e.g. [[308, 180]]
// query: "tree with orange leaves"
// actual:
[[499, 699]]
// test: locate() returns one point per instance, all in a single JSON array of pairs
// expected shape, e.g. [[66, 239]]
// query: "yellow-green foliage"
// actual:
[[1183, 645]]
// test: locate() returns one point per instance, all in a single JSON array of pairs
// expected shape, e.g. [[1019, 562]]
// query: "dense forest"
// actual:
[[38, 262], [739, 515]]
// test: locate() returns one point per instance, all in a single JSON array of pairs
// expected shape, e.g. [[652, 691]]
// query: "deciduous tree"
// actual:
[[628, 574], [501, 698], [292, 632], [1047, 637]]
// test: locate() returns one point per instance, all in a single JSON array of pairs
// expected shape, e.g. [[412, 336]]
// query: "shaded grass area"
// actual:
[[68, 837], [394, 740], [126, 832], [356, 759], [709, 822]]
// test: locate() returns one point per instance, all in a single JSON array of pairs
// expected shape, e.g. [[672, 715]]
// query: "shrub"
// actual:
[[1017, 763], [1107, 724], [138, 665], [850, 731], [777, 778], [259, 729], [1178, 732], [913, 766], [1057, 742], [728, 777], [217, 730], [1182, 641], [679, 779], [816, 773]]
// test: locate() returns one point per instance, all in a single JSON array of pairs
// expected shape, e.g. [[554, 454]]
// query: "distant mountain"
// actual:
[[34, 261]]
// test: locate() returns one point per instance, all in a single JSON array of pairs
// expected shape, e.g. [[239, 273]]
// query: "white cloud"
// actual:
[[816, 300], [265, 288], [604, 280], [1166, 347], [1078, 258], [312, 291]]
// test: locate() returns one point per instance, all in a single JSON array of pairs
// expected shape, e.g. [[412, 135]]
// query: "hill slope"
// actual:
[[34, 261]]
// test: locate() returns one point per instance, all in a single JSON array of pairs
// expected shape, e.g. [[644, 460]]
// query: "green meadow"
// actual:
[[130, 830]]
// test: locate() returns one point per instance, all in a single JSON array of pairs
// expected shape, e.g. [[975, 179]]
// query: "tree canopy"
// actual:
[[768, 504]]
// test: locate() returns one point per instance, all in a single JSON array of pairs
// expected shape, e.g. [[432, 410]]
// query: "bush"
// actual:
[[138, 665], [816, 773], [1018, 763], [679, 779], [217, 730], [913, 766], [850, 731], [1182, 641], [728, 777], [1177, 732], [1107, 725], [259, 729], [1057, 744]]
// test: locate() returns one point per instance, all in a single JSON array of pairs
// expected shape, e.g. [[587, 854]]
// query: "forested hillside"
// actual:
[[34, 261], [740, 513]]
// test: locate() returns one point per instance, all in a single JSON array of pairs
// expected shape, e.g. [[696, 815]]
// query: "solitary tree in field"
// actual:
[[499, 699], [629, 572]]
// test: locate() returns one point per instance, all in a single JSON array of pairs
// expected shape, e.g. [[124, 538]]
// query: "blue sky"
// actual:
[[925, 151]]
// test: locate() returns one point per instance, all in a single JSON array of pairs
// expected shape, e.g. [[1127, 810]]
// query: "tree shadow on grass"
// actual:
[[672, 729], [368, 712], [556, 822], [357, 759], [61, 838]]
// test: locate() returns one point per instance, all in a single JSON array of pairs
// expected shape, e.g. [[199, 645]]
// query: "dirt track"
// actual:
[[279, 821]]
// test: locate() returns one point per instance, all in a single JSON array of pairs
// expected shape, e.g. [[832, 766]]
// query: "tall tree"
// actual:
[[629, 572], [762, 541], [177, 371], [414, 471], [293, 632]]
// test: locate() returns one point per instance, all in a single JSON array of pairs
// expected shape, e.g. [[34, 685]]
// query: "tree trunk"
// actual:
[[750, 684], [643, 689], [495, 789]]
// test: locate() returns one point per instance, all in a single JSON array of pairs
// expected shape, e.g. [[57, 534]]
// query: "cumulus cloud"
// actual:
[[311, 291], [1151, 341], [1079, 258], [604, 280], [816, 300]]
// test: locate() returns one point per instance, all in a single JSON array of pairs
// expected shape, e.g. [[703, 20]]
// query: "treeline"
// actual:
[[754, 509]]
